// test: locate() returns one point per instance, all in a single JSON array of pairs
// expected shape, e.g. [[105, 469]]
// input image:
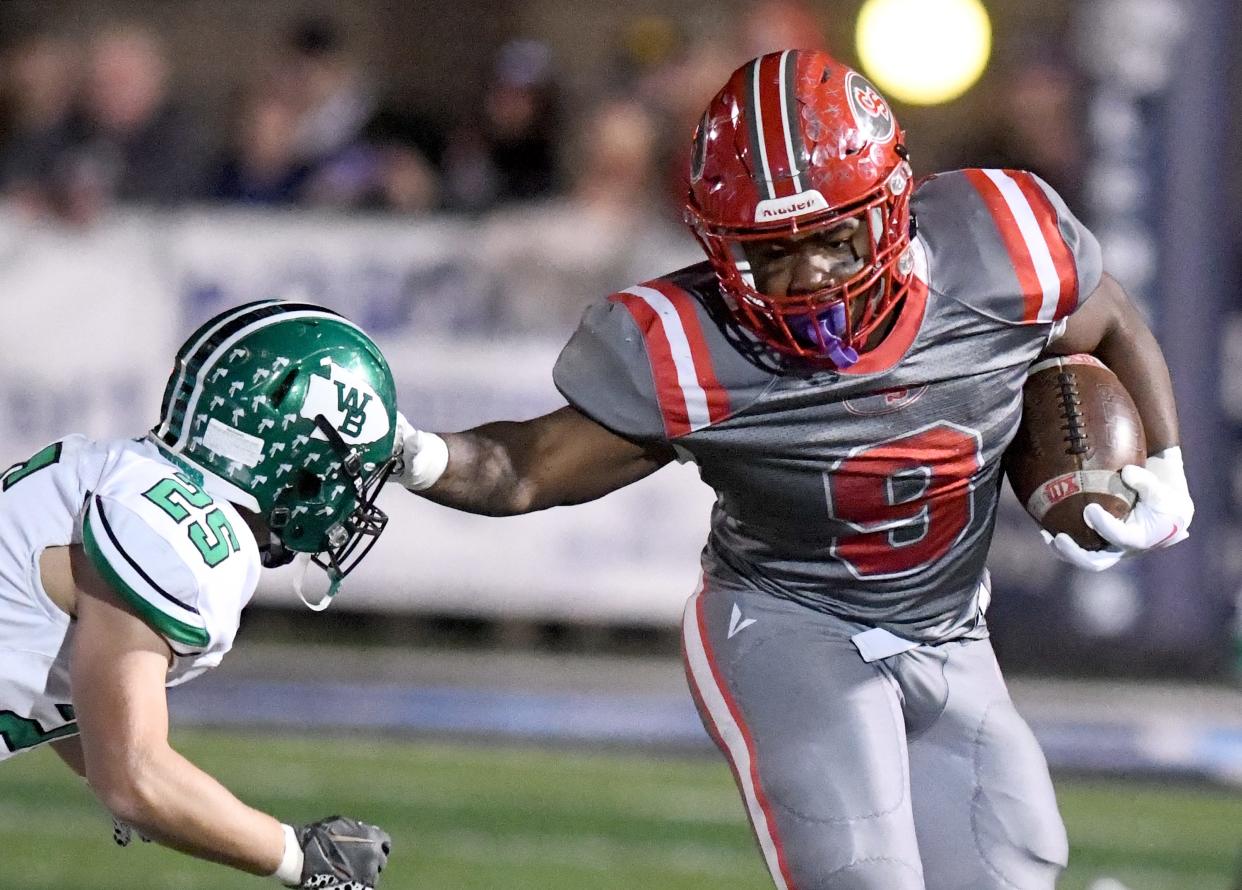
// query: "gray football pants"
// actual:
[[911, 772]]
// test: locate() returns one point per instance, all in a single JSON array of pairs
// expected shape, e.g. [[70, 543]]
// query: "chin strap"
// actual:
[[304, 561], [274, 554]]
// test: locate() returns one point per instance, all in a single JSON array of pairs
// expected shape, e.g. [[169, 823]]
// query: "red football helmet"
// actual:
[[796, 142]]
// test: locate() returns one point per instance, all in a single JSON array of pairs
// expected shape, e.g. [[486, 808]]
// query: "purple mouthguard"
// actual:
[[823, 331]]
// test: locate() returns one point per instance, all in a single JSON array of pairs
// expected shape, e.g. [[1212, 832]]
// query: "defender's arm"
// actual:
[[507, 468], [118, 671], [70, 752], [1110, 327]]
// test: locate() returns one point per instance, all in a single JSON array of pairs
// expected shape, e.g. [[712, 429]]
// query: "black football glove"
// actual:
[[339, 853], [123, 833]]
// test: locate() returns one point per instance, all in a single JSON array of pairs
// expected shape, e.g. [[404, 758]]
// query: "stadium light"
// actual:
[[924, 52]]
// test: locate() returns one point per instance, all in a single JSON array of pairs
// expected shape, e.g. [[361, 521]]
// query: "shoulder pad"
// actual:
[[639, 363], [174, 555], [1004, 243]]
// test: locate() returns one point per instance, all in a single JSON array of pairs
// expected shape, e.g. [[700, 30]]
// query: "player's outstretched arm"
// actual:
[[118, 671], [507, 468]]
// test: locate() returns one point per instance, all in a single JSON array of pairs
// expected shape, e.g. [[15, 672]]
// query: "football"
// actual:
[[1079, 428]]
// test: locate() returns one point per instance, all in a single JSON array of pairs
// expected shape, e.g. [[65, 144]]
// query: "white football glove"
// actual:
[[424, 456], [1160, 518]]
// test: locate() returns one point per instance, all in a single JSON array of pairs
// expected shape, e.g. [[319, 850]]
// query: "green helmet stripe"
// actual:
[[175, 399], [172, 425], [286, 312], [186, 363]]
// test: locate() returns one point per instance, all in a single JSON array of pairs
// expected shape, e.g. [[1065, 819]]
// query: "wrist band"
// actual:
[[289, 872], [426, 459]]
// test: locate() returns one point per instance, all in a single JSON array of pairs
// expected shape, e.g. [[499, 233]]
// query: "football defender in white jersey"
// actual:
[[125, 564]]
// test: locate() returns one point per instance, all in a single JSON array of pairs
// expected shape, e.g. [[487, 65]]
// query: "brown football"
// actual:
[[1079, 427]]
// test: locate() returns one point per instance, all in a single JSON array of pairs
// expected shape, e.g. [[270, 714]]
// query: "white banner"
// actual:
[[93, 318], [88, 330]]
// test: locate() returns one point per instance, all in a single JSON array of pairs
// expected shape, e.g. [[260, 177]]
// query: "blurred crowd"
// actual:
[[90, 122]]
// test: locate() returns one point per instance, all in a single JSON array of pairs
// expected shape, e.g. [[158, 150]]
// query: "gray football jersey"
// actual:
[[869, 493]]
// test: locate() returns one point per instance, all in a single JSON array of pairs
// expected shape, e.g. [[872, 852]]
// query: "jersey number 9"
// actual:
[[908, 500]]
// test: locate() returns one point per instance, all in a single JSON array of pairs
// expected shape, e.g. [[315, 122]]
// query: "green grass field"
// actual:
[[508, 818]]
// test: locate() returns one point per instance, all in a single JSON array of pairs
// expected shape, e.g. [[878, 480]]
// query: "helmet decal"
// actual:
[[202, 348], [772, 209], [789, 117], [348, 402], [189, 360], [776, 142], [758, 149], [871, 112], [233, 444]]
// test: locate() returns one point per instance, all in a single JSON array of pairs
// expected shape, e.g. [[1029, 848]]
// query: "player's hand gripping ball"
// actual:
[[1079, 430], [1077, 465], [1160, 518]]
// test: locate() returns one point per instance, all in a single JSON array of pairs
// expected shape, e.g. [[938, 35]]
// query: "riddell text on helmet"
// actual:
[[779, 208]]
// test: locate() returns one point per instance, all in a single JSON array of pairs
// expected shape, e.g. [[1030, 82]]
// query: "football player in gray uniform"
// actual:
[[125, 565], [846, 371]]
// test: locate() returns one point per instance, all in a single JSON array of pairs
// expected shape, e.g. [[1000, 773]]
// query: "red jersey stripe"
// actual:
[[907, 326], [760, 796], [1062, 255], [704, 371], [669, 394], [1015, 246]]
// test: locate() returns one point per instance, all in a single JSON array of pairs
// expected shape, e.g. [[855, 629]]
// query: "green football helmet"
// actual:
[[288, 410]]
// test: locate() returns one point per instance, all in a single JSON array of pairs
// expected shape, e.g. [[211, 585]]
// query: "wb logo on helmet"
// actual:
[[352, 404], [349, 403]]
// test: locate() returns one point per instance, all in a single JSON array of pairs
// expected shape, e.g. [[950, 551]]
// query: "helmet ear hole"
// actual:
[[308, 485]]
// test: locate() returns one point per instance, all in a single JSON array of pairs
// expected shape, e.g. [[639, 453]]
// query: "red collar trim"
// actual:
[[894, 347]]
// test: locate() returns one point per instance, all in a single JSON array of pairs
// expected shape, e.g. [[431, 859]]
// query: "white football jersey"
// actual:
[[185, 563]]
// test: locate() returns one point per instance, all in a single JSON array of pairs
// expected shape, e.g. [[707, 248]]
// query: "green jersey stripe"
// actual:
[[187, 351], [133, 563], [173, 427], [162, 622]]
